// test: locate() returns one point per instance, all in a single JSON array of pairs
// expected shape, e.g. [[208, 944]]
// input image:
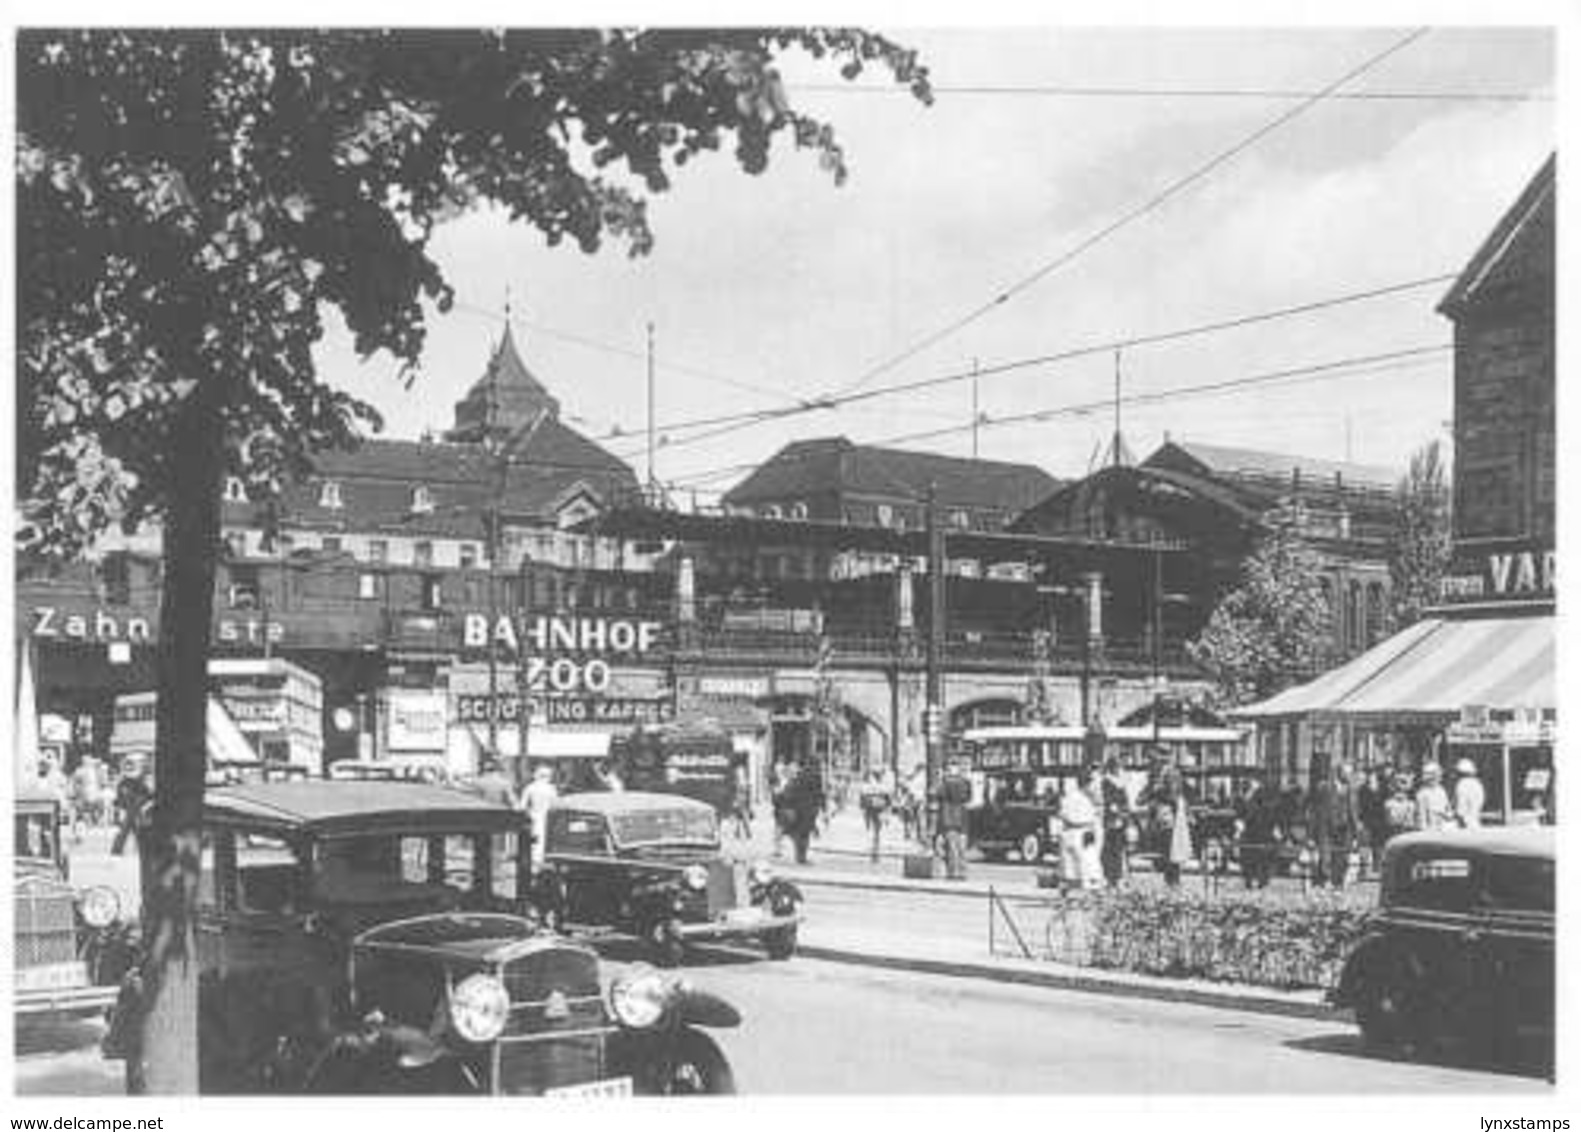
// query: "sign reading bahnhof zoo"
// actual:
[[565, 656]]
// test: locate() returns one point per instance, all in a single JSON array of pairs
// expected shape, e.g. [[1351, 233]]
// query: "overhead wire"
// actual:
[[1076, 90], [1156, 201], [1353, 366], [730, 422]]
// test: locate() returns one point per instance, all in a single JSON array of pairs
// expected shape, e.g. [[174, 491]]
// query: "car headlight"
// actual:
[[100, 906], [640, 997], [762, 872], [479, 1008], [696, 877]]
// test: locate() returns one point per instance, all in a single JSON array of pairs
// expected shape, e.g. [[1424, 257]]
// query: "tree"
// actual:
[[190, 202], [1273, 629], [1419, 546]]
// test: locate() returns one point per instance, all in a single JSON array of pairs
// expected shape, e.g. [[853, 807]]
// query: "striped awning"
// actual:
[[1432, 670]]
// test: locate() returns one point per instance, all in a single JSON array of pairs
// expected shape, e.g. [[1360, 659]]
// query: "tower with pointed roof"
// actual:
[[504, 401]]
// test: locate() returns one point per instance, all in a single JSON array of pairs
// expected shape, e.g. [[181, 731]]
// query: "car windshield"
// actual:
[[35, 835], [679, 826]]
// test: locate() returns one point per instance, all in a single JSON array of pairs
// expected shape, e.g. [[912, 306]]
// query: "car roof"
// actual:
[[608, 802], [1503, 840], [325, 806]]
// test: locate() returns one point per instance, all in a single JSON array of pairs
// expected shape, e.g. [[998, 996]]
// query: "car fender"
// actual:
[[696, 1007], [1367, 962], [410, 1047]]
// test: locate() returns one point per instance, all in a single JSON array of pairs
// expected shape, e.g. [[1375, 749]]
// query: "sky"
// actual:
[[783, 287]]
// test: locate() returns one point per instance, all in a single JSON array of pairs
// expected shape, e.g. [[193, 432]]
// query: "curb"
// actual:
[[1159, 991]]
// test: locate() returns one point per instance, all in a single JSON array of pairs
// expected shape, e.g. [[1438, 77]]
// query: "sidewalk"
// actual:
[[839, 859]]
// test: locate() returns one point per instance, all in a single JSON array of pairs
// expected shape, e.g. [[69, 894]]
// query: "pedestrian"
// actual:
[[1171, 819], [1370, 799], [1470, 795], [804, 803], [1433, 810], [779, 798], [1399, 808], [874, 796], [954, 795], [1078, 840], [1257, 818], [493, 784], [536, 801], [1116, 823], [741, 805], [132, 797], [1334, 824]]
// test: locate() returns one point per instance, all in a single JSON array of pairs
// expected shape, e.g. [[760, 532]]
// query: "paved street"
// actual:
[[817, 1027]]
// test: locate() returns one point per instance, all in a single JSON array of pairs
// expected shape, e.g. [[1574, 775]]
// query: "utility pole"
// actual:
[[523, 691], [652, 482], [977, 417], [496, 454], [933, 713], [1114, 455]]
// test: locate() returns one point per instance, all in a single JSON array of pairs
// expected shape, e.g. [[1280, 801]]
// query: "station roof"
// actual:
[[650, 523]]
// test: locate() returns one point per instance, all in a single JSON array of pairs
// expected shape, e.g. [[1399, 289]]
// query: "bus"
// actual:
[[1018, 773], [695, 758]]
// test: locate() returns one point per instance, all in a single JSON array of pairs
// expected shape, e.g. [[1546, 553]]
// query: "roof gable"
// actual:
[[1222, 462], [1518, 253], [811, 467]]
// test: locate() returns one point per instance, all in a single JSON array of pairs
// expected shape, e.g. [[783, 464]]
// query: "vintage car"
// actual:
[[72, 945], [368, 937], [650, 865], [1461, 945]]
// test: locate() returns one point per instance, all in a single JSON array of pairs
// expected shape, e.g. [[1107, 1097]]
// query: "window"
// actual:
[[886, 515], [378, 550], [432, 591], [244, 588], [772, 511], [469, 556], [116, 572], [422, 500], [798, 511], [960, 520], [329, 495], [423, 553], [331, 544], [235, 490], [368, 586]]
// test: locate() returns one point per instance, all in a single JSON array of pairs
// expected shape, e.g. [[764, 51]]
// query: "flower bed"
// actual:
[[1257, 939]]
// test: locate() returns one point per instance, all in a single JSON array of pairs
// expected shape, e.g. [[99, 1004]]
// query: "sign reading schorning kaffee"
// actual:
[[565, 654]]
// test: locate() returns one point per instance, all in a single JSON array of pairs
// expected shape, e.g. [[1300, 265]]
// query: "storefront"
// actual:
[[1461, 684]]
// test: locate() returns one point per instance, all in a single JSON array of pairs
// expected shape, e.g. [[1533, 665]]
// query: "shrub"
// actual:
[[1180, 934]]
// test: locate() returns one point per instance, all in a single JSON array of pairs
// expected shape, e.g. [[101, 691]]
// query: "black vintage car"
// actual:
[[650, 865], [1461, 945], [372, 937], [72, 946]]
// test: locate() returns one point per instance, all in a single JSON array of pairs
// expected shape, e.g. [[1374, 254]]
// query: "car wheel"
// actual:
[[664, 937], [698, 1068], [1383, 1016], [781, 942], [1031, 848]]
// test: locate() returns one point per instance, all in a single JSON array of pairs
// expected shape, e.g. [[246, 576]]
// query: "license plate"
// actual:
[[744, 916], [53, 976], [614, 1087]]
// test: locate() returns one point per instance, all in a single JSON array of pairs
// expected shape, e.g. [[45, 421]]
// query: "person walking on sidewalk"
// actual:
[[779, 800], [132, 797], [803, 804], [1116, 821], [1470, 795], [875, 794], [955, 792], [1078, 839], [1433, 810]]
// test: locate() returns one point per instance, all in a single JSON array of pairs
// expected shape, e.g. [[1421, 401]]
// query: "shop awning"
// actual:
[[1433, 669], [225, 742], [546, 744]]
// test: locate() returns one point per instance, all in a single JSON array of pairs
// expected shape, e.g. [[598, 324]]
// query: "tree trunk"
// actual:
[[166, 1058]]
